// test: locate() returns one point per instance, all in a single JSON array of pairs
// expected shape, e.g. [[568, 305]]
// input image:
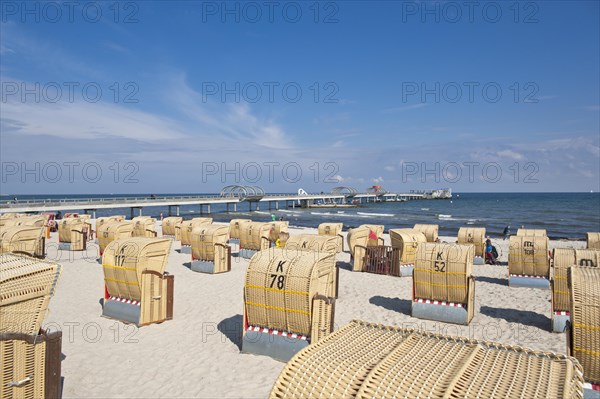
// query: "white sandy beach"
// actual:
[[197, 353]]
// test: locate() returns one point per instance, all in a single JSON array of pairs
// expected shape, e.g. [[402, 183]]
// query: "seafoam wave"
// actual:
[[337, 214], [376, 214]]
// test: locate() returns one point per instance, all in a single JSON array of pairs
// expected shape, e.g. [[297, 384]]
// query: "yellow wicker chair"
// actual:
[[105, 219], [73, 234], [474, 236], [170, 224], [593, 240], [138, 290], [285, 302], [531, 233], [364, 360], [24, 240], [187, 226], [407, 241], [210, 252], [254, 237], [359, 239], [333, 229], [528, 261], [113, 230], [430, 231], [144, 226]]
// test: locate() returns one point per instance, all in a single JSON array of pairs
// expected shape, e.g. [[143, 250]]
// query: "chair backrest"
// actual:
[[407, 240], [113, 230], [187, 226], [235, 227], [205, 237], [144, 226], [312, 242], [330, 229], [255, 235], [473, 236], [531, 233], [21, 239], [528, 255], [430, 231], [562, 259], [170, 223]]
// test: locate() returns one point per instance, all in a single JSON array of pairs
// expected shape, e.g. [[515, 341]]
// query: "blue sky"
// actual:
[[351, 94]]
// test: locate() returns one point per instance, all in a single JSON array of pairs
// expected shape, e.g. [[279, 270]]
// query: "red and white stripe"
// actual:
[[123, 300], [593, 387], [527, 276], [561, 313], [443, 303], [276, 332], [407, 265], [478, 257]]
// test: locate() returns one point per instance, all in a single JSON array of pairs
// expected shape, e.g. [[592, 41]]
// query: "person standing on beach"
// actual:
[[506, 232]]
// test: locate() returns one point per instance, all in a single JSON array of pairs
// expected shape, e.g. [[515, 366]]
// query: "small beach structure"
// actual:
[[367, 360], [170, 224], [430, 231], [73, 234], [235, 228], [210, 252], [593, 240], [531, 233], [333, 229], [254, 237], [23, 240], [359, 239], [138, 290], [113, 230], [443, 284], [474, 236], [187, 226], [144, 226], [583, 336], [406, 241], [528, 262], [30, 356], [562, 259], [286, 306]]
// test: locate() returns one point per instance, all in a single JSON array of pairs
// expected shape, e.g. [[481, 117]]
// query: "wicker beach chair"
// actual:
[[473, 236], [333, 229], [285, 302], [235, 228], [105, 219], [254, 237], [359, 239], [583, 337], [24, 240], [562, 259], [528, 261], [531, 233], [144, 226], [593, 240], [7, 217], [210, 252], [29, 221], [138, 290], [316, 243], [169, 225], [113, 230], [73, 234], [406, 241], [430, 231], [443, 284], [187, 226], [278, 227], [365, 360]]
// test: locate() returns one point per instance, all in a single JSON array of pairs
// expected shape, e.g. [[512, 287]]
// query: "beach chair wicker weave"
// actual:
[[407, 241], [144, 226], [564, 258], [73, 233], [593, 240], [235, 228], [113, 230], [583, 339], [333, 229], [430, 231], [359, 239], [187, 226], [210, 252], [531, 233], [139, 290], [26, 286], [473, 236], [23, 239], [365, 360], [169, 224], [528, 261], [105, 219], [254, 236], [284, 291]]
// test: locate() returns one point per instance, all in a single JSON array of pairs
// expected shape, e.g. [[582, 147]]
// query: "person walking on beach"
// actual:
[[506, 232]]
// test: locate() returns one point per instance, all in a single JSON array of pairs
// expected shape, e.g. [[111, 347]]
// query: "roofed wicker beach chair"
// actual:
[[365, 360], [210, 252], [406, 241], [254, 237], [430, 231], [105, 219], [443, 284], [73, 234], [316, 243], [286, 306], [583, 336], [528, 261], [30, 221], [187, 226], [474, 236], [593, 240], [6, 217], [138, 290], [169, 224], [30, 357], [23, 240], [278, 227], [366, 235], [144, 226], [235, 228], [333, 229], [562, 259], [531, 232], [113, 230]]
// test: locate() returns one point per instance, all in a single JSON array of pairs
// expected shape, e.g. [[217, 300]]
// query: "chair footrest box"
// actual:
[[518, 280]]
